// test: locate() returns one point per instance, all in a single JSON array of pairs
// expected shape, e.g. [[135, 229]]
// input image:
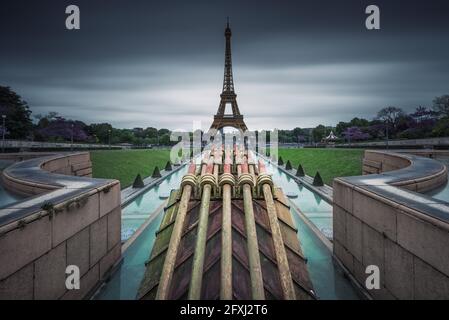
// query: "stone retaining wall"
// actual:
[[76, 165], [404, 233], [38, 145], [442, 142], [77, 223]]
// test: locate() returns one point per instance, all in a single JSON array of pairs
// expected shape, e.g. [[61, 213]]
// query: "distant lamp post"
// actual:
[[71, 145], [109, 138], [3, 132]]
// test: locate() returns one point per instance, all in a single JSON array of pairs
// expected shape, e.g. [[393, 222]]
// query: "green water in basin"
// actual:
[[318, 211], [441, 193], [125, 283], [139, 210], [7, 198]]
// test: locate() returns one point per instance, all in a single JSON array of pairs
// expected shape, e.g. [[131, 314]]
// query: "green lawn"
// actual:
[[124, 165], [331, 163]]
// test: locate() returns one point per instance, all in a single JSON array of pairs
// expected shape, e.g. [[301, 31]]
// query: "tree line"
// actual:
[[390, 122], [53, 127]]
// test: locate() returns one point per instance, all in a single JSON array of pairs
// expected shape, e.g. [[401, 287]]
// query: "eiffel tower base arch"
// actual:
[[235, 121]]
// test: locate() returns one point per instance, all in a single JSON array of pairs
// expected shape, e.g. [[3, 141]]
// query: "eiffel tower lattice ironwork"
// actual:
[[228, 95]]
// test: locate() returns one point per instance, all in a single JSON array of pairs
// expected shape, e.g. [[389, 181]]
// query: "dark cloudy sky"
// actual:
[[160, 63]]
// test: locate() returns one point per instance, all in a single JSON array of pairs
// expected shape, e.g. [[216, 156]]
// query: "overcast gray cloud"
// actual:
[[160, 63]]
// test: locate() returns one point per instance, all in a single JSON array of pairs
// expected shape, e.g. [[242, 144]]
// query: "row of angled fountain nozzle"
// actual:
[[317, 180], [246, 174]]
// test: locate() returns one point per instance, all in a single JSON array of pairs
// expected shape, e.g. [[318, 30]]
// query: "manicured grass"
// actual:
[[124, 165], [331, 163]]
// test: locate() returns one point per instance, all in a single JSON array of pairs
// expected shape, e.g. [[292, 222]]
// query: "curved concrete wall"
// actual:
[[71, 220], [380, 219], [420, 175], [73, 165]]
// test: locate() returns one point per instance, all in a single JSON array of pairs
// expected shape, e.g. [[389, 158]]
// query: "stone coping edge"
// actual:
[[359, 184], [30, 173]]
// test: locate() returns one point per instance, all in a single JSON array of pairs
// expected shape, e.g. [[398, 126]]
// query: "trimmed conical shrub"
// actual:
[[280, 162], [156, 173], [288, 166], [138, 182], [300, 172], [318, 181], [168, 166]]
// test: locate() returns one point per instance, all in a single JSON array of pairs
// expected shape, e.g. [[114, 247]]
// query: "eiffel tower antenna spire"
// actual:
[[228, 95]]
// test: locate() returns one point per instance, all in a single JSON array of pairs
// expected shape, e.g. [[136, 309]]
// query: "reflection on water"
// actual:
[[7, 198], [135, 214], [441, 193], [318, 211], [328, 280], [125, 282]]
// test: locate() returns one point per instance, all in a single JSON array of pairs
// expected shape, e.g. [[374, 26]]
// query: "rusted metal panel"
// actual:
[[239, 247], [265, 242], [241, 282], [181, 279], [260, 213], [211, 287]]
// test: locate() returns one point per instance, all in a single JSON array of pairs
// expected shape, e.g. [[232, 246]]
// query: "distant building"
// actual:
[[331, 137]]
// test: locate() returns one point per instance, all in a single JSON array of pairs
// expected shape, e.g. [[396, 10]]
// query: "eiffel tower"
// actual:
[[228, 95]]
